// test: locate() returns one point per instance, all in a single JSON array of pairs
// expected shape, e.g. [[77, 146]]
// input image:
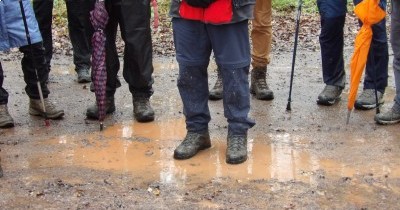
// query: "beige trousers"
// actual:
[[261, 34]]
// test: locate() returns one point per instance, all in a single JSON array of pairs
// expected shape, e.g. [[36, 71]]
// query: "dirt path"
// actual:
[[305, 159]]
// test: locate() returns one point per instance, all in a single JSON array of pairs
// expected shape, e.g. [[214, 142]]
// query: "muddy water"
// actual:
[[145, 151]]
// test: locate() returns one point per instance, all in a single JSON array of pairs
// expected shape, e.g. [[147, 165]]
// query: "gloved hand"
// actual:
[[200, 3]]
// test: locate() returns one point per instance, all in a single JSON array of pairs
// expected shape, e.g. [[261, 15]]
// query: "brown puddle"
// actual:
[[145, 151]]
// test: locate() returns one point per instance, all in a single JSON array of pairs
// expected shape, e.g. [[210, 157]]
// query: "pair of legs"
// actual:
[[133, 17], [80, 32], [333, 15], [32, 62], [393, 115], [261, 35], [194, 42]]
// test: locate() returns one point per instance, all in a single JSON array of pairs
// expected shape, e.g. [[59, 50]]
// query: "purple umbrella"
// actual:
[[99, 19]]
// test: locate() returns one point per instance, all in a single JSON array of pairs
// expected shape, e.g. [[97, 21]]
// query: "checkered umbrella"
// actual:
[[99, 19]]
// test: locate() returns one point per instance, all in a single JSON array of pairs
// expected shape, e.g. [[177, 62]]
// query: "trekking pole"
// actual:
[[371, 52], [288, 107], [28, 37]]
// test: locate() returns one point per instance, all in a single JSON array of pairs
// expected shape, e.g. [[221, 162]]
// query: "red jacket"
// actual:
[[217, 13]]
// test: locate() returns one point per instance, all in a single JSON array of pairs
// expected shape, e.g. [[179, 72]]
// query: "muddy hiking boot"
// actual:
[[83, 75], [192, 144], [330, 95], [367, 100], [259, 86], [36, 109], [92, 112], [142, 109], [6, 121], [216, 91], [236, 151], [390, 117]]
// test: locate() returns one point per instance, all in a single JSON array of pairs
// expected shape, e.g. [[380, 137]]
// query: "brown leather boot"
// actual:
[[259, 86]]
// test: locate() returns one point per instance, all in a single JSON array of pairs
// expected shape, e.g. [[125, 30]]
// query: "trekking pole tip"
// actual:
[[101, 126], [288, 107]]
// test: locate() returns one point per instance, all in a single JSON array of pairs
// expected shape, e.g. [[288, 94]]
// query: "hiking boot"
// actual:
[[329, 95], [6, 121], [83, 75], [390, 117], [192, 144], [259, 85], [367, 100], [216, 91], [36, 109], [93, 111], [236, 151], [142, 109]]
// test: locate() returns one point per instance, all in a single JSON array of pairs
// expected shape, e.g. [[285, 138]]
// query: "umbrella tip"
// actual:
[[101, 126], [348, 116]]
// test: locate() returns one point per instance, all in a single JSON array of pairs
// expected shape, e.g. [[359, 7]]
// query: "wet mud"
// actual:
[[304, 159]]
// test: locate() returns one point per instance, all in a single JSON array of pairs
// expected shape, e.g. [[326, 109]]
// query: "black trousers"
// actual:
[[79, 26], [133, 17], [33, 59]]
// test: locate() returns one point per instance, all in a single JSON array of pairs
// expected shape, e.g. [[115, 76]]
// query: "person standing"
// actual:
[[333, 14], [392, 116], [261, 36], [199, 27], [133, 17], [80, 32], [13, 35]]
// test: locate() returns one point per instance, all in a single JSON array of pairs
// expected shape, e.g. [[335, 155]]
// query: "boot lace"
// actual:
[[236, 143]]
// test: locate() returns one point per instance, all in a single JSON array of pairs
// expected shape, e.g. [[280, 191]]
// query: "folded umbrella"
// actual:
[[369, 13], [99, 19]]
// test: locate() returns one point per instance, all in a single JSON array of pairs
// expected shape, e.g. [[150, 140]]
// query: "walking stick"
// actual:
[[288, 107], [28, 37]]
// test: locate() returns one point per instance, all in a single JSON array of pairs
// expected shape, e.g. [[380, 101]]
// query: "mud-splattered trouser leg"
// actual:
[[395, 40], [230, 43], [3, 92], [34, 62]]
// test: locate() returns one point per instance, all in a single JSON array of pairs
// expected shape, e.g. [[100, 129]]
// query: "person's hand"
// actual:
[[199, 3]]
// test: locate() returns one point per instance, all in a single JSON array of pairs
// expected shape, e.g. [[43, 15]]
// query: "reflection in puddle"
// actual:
[[144, 151]]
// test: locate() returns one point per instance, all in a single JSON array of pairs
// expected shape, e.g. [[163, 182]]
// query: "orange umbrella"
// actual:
[[369, 12]]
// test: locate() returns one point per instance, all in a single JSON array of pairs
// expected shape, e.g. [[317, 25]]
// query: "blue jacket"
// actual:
[[12, 29]]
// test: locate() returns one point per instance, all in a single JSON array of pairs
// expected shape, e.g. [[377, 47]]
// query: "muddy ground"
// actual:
[[304, 159]]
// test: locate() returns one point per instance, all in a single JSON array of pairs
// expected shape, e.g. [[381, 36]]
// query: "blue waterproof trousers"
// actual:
[[194, 42], [333, 13]]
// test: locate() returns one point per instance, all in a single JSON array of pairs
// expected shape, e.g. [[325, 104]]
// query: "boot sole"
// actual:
[[8, 124], [328, 103], [366, 106], [145, 119], [387, 122], [184, 156], [93, 116], [42, 114], [236, 161], [214, 97]]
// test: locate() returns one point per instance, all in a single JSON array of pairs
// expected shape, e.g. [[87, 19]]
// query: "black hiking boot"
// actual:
[[84, 75], [236, 151], [216, 91], [330, 95], [192, 144], [93, 111], [142, 109], [259, 86]]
